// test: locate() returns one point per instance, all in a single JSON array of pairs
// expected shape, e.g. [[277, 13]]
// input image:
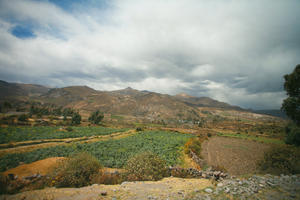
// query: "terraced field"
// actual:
[[112, 152], [17, 134]]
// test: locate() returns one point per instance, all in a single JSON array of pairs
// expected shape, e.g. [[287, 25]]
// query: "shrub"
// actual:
[[76, 118], [23, 118], [96, 117], [194, 145], [3, 184], [146, 166], [139, 129], [292, 135], [76, 171], [108, 178], [69, 129], [281, 159]]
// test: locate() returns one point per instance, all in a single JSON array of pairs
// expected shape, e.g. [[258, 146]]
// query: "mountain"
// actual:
[[275, 113], [128, 102], [12, 91], [204, 102]]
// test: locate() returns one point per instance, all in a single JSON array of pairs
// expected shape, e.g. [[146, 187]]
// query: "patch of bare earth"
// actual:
[[237, 156], [42, 167], [168, 188]]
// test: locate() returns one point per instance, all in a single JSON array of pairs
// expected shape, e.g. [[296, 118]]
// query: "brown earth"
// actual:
[[237, 156], [42, 167], [168, 188]]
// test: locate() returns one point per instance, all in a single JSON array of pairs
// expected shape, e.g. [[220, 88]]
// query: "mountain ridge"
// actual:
[[128, 102]]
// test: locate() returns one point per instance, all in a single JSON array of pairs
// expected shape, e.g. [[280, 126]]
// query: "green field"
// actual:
[[18, 134], [111, 153]]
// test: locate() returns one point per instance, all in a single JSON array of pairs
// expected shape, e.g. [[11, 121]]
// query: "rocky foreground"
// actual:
[[255, 187]]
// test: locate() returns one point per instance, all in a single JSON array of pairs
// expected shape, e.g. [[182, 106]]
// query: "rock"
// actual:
[[208, 190], [104, 193], [227, 190], [220, 184]]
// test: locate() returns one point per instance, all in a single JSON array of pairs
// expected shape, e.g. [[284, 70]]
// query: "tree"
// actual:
[[96, 117], [76, 118], [291, 105]]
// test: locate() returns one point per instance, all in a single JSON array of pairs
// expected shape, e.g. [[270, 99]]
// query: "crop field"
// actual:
[[111, 153], [18, 134]]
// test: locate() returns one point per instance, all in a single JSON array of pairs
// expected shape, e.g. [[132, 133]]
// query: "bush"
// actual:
[[3, 184], [146, 167], [76, 118], [23, 118], [292, 135], [69, 129], [76, 171], [108, 178], [281, 160], [194, 145], [96, 117], [139, 129]]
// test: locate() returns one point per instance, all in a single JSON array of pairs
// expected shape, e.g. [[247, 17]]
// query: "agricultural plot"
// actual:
[[111, 153], [18, 134], [235, 155]]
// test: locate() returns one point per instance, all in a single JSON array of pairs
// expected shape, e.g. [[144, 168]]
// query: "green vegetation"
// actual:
[[251, 137], [110, 153], [292, 135], [146, 166], [76, 119], [194, 145], [76, 171], [281, 159], [291, 105], [96, 117], [23, 118], [17, 134], [292, 87]]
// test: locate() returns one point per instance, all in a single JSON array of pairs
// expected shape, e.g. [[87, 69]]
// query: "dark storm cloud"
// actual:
[[233, 51]]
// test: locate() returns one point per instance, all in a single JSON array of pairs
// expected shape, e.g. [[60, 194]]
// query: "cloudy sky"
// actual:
[[232, 51]]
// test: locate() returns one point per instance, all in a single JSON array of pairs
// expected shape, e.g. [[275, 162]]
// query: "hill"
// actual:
[[11, 91], [126, 103]]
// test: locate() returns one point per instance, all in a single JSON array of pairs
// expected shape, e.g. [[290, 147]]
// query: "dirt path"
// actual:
[[26, 146], [168, 188], [237, 156]]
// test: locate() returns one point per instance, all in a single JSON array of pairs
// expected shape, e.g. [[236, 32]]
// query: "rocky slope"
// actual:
[[266, 187]]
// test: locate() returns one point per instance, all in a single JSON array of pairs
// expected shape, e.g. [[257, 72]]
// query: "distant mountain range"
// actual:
[[128, 101]]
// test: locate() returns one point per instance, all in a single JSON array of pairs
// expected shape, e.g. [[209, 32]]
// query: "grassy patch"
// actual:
[[254, 138], [110, 153]]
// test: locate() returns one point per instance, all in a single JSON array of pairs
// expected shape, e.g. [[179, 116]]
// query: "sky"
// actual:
[[235, 51]]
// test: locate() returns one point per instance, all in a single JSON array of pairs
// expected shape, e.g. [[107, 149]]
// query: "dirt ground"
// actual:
[[168, 188], [237, 156], [39, 167]]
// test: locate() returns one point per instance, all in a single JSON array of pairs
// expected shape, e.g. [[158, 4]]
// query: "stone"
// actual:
[[220, 184], [208, 190], [104, 193]]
